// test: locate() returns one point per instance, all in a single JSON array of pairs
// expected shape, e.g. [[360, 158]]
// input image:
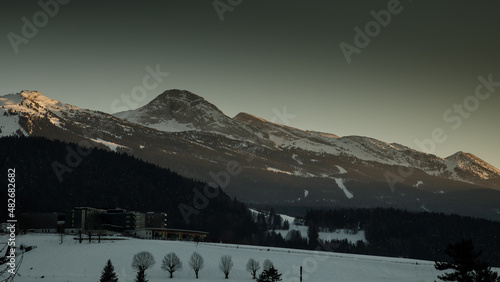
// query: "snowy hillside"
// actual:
[[341, 234], [279, 164], [83, 262], [371, 150], [180, 110]]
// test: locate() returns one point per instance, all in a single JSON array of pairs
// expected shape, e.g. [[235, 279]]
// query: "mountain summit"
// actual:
[[180, 110], [174, 111], [260, 161]]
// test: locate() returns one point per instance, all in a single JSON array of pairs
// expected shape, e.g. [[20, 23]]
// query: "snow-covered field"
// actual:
[[340, 234], [76, 262]]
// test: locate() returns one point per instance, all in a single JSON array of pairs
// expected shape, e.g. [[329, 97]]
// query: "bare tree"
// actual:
[[171, 263], [143, 261], [225, 265], [196, 263], [253, 266], [268, 264]]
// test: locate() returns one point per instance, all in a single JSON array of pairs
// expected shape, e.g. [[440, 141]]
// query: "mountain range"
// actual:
[[261, 162]]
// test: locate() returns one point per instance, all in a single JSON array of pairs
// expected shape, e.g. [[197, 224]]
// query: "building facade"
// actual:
[[84, 220], [156, 220], [171, 234]]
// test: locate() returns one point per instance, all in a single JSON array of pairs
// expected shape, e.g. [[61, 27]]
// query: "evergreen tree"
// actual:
[[465, 264], [485, 274], [269, 275], [108, 273], [313, 234], [286, 225], [141, 276]]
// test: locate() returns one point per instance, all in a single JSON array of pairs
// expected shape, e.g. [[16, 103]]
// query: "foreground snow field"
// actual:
[[76, 262]]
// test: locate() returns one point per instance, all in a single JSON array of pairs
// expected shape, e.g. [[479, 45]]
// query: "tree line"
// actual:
[[399, 233], [106, 179], [171, 263]]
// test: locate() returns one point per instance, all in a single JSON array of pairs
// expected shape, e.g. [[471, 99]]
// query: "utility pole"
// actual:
[[301, 273]]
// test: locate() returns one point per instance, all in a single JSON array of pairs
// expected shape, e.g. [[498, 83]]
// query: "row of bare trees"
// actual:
[[172, 263]]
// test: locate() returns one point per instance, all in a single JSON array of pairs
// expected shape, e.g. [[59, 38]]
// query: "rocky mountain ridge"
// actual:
[[275, 163]]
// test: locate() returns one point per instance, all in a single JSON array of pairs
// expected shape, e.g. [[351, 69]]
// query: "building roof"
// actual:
[[175, 230]]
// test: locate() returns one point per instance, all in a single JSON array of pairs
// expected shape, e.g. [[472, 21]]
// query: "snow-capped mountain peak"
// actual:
[[174, 111], [180, 110], [33, 102], [467, 163], [205, 137]]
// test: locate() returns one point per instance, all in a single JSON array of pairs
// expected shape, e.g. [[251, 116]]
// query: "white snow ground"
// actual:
[[84, 262], [341, 185], [341, 169], [112, 146]]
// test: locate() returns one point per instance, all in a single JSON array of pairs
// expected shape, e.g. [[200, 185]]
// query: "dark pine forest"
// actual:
[[104, 179]]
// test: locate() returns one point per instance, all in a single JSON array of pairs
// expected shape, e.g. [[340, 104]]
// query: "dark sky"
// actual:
[[267, 55]]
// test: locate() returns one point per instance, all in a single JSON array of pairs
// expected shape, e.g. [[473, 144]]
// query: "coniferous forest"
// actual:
[[104, 179], [399, 233]]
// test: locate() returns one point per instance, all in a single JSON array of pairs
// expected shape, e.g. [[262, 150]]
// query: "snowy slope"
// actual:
[[180, 110], [185, 133], [341, 234], [461, 162], [83, 262], [368, 149], [32, 104], [9, 124]]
